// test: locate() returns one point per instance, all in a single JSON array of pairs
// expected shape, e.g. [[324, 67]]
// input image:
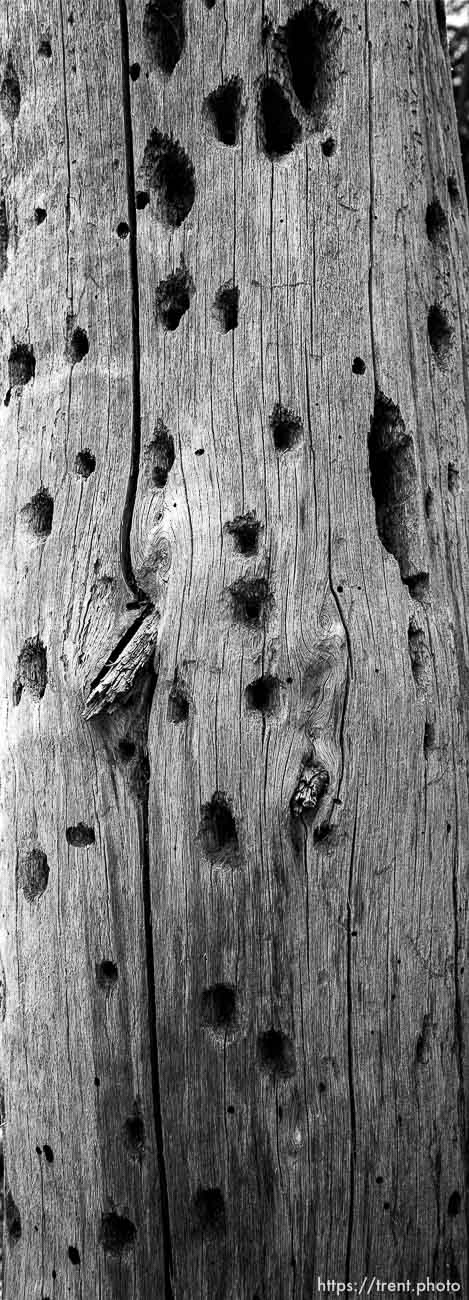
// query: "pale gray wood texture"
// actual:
[[235, 915]]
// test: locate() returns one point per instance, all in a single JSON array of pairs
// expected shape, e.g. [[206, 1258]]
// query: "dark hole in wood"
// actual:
[[10, 94], [218, 1008], [107, 974], [250, 598], [48, 1153], [224, 109], [218, 831], [440, 334], [200, 451], [286, 428], [77, 344], [310, 40], [31, 670], [164, 33], [395, 488], [263, 694], [142, 199], [85, 463], [133, 1133], [244, 529], [178, 701], [40, 215], [276, 1054], [226, 307], [37, 515], [418, 585], [33, 874], [126, 748], [322, 832], [122, 230], [117, 1234], [173, 297], [429, 738], [74, 1256], [454, 1204], [80, 836], [419, 656], [358, 366], [435, 221], [277, 127], [12, 1218], [328, 146], [21, 365], [453, 190], [134, 71], [44, 48], [208, 1211], [168, 171], [160, 454], [453, 478]]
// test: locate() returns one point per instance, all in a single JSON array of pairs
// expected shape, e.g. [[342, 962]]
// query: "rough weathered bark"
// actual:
[[236, 649]]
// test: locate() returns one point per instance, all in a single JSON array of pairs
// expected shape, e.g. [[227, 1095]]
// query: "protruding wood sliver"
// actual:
[[122, 667]]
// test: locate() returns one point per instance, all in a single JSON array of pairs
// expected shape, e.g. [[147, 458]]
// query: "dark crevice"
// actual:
[[310, 41], [127, 514], [276, 1054], [164, 33], [278, 129], [436, 221], [226, 306], [133, 587], [168, 171], [225, 112], [396, 491], [173, 298], [440, 334]]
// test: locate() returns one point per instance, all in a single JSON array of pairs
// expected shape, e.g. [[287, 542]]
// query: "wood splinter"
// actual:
[[123, 666]]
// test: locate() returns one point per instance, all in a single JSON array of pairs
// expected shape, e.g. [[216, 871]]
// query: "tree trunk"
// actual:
[[233, 250]]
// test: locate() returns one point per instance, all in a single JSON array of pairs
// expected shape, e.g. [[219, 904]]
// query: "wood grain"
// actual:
[[253, 934]]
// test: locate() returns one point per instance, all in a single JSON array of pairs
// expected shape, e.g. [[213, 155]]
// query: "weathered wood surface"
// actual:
[[237, 1023]]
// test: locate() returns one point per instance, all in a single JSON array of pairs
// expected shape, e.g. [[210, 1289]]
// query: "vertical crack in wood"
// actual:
[[127, 514], [133, 587], [351, 1082]]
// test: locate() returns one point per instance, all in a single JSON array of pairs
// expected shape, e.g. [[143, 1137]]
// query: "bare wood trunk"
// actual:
[[236, 649]]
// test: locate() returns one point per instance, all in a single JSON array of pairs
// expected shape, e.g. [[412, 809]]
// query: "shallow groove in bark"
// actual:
[[133, 587]]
